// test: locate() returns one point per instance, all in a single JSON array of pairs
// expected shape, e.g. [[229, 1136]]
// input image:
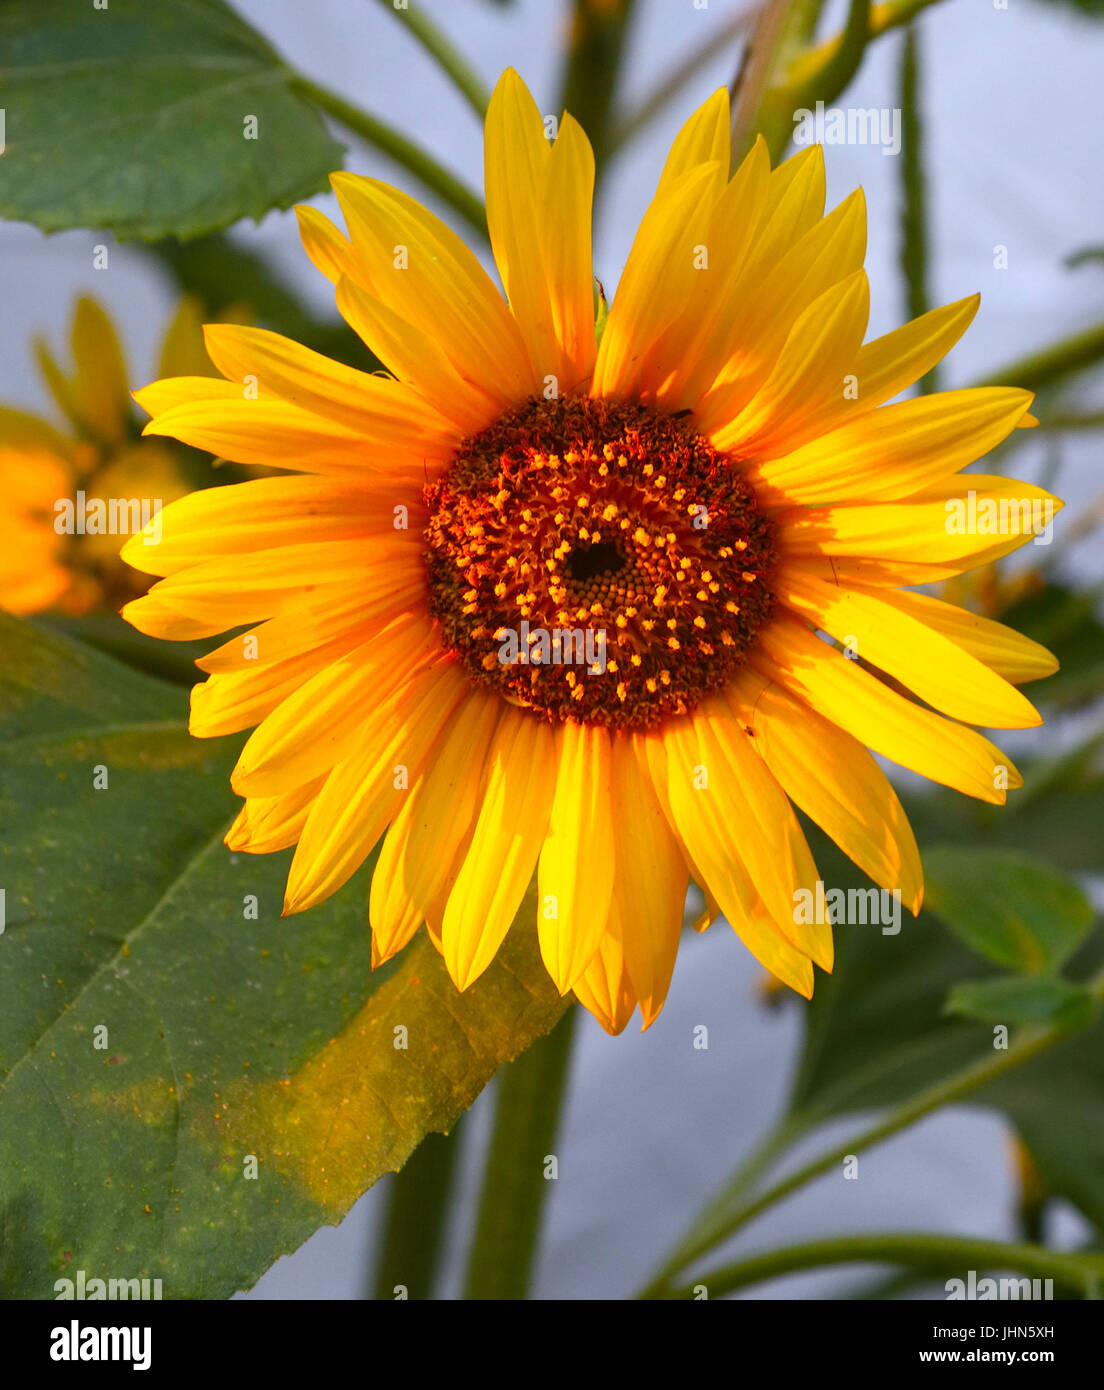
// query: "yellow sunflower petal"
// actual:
[[702, 794], [576, 870], [271, 432], [151, 615], [795, 204], [160, 396], [228, 703], [657, 277], [321, 723], [265, 513], [504, 848], [704, 139], [539, 199], [604, 988], [421, 271], [834, 780], [859, 703], [305, 378], [363, 793], [232, 591], [769, 301], [686, 359], [1006, 651], [942, 674], [651, 880], [969, 515], [768, 837], [327, 613], [271, 823], [885, 367], [806, 373], [182, 351], [900, 449], [431, 827], [417, 358], [100, 385], [331, 252]]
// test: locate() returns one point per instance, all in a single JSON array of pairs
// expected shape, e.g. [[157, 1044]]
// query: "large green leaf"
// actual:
[[1011, 907], [125, 1153], [1016, 999], [876, 1029], [877, 1033], [135, 118]]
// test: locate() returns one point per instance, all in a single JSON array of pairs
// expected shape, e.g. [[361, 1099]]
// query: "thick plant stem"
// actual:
[[596, 45], [914, 197], [413, 1236], [949, 1255], [771, 94], [519, 1167], [731, 1211], [391, 142]]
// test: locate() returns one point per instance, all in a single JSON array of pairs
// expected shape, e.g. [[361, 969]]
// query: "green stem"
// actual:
[[451, 60], [846, 59], [731, 1211], [404, 151], [414, 1234], [883, 19], [798, 77], [1093, 420], [806, 17], [914, 199], [515, 1180], [599, 29], [932, 1254], [1039, 369]]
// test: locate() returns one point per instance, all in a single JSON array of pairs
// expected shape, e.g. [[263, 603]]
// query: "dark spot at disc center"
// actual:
[[595, 561]]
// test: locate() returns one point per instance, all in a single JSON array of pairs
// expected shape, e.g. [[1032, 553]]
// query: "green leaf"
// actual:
[[126, 1153], [877, 1034], [107, 632], [1016, 999], [1010, 907], [135, 118]]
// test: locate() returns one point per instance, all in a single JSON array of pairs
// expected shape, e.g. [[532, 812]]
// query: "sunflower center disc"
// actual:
[[597, 561]]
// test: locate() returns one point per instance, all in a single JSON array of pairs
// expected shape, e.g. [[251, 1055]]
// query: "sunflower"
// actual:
[[552, 601], [97, 452]]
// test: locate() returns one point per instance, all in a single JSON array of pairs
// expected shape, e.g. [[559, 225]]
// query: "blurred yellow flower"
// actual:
[[66, 486]]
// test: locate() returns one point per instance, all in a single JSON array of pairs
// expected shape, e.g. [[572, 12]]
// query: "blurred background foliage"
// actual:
[[1010, 936]]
